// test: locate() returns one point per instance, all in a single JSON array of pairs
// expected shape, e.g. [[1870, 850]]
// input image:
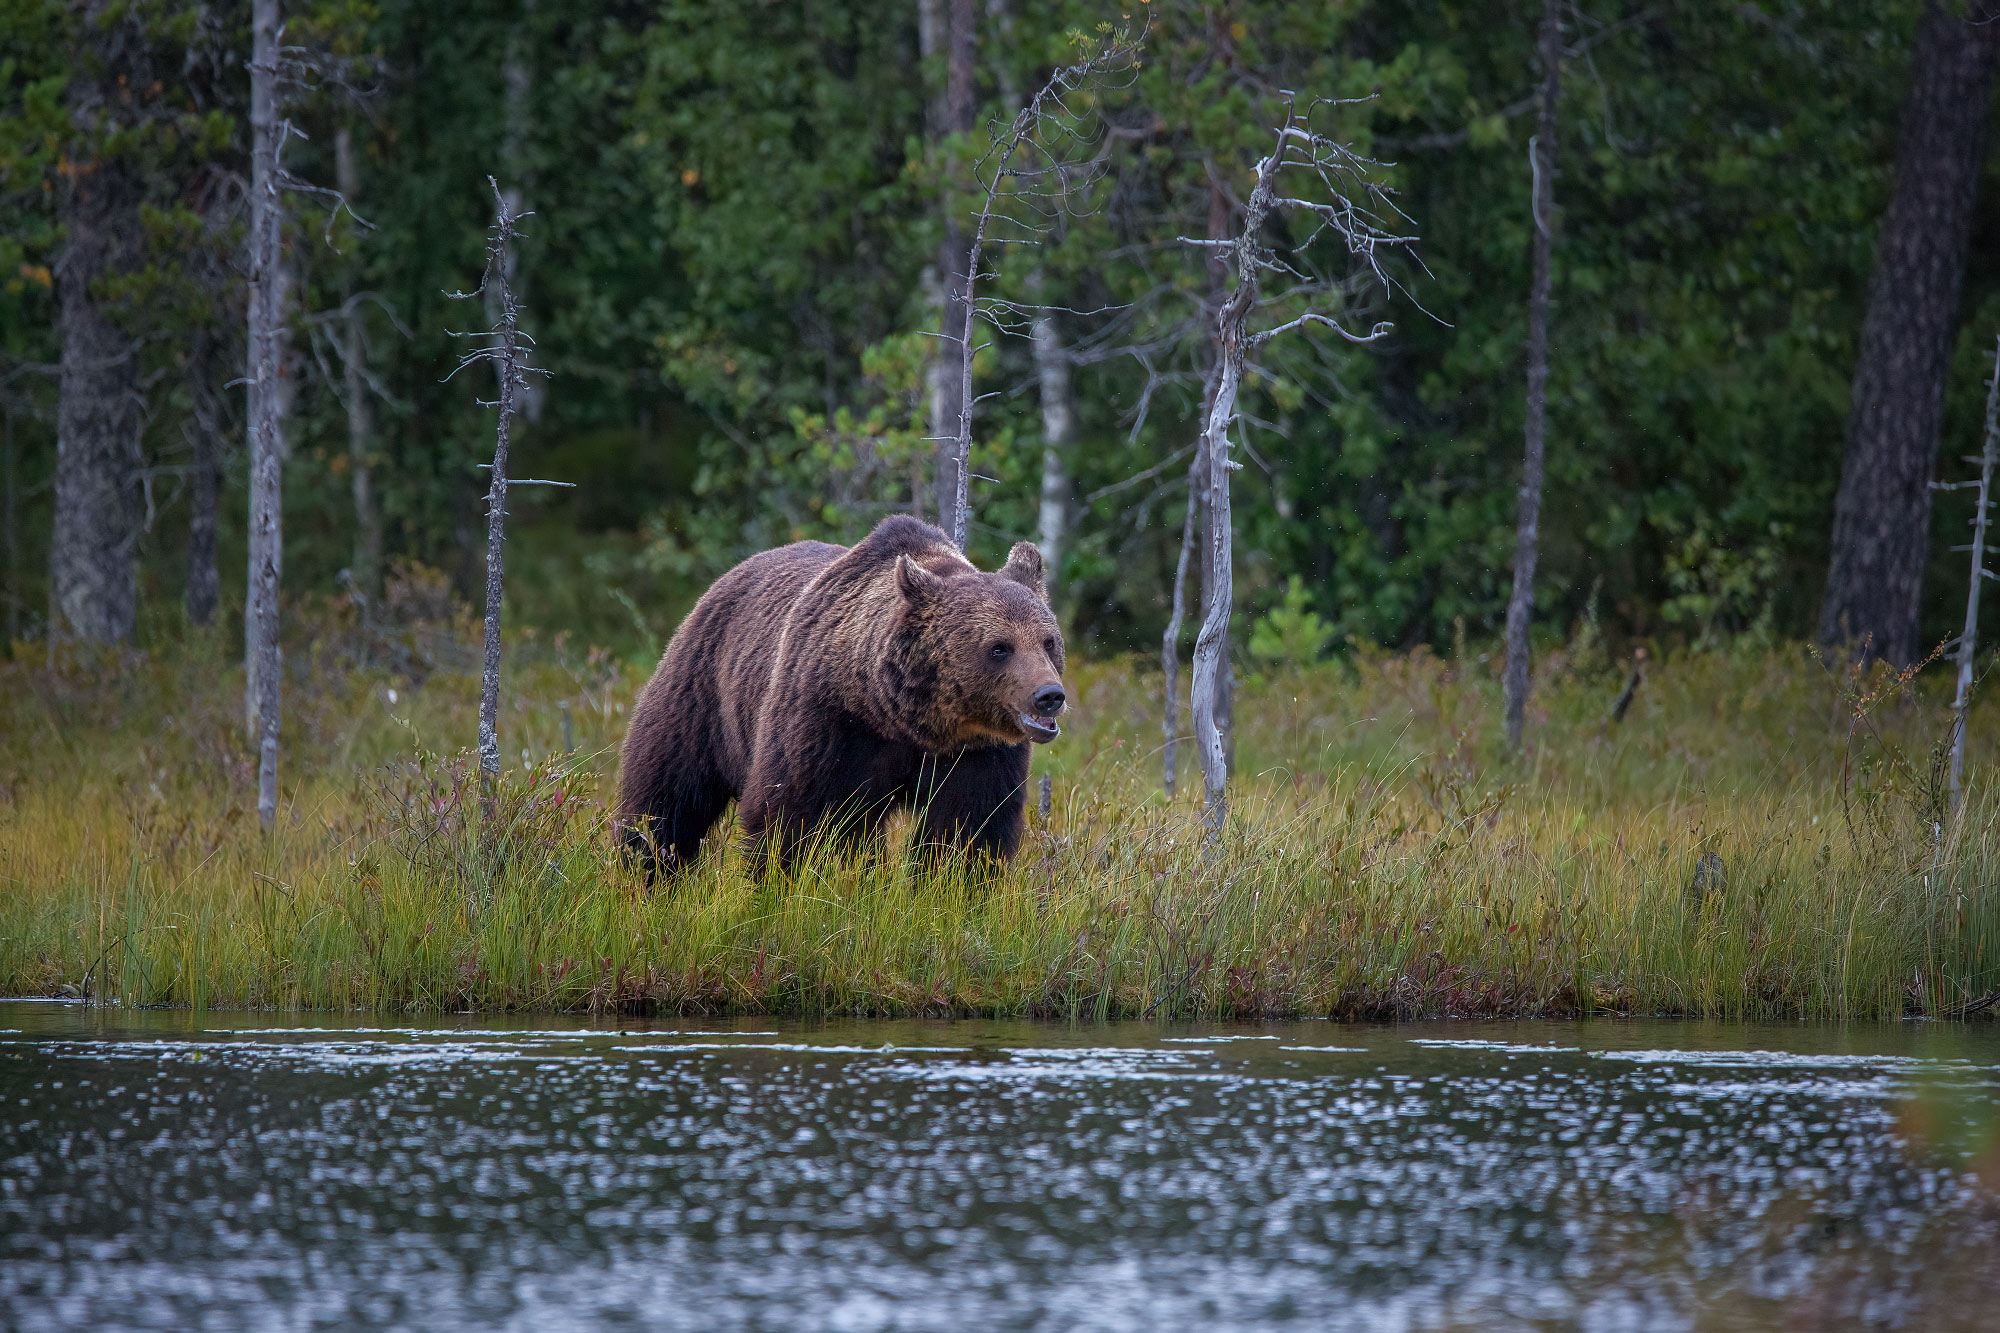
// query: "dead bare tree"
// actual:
[[1982, 513], [1345, 201], [267, 447], [505, 346], [274, 70], [1192, 525], [1527, 531], [1049, 183]]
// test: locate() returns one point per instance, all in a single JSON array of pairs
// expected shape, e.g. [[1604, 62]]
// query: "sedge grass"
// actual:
[[1384, 858]]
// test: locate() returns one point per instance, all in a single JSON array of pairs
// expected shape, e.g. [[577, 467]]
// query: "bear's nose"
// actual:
[[1049, 700]]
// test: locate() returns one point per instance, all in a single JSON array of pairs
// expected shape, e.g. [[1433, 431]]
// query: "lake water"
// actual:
[[169, 1170]]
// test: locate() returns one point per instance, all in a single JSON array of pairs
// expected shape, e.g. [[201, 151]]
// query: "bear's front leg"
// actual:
[[973, 800], [824, 781]]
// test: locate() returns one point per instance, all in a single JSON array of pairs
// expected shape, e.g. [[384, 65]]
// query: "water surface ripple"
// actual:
[[169, 1170]]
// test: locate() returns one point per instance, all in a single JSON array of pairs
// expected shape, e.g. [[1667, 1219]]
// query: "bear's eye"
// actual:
[[1049, 647], [1000, 652]]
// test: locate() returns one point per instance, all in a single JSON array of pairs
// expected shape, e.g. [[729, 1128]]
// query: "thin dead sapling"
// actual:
[[1968, 638], [504, 345]]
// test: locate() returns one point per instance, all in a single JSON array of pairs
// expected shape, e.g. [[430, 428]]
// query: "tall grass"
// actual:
[[1385, 857]]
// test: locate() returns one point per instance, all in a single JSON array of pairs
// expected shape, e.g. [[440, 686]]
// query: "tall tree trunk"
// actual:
[[952, 114], [1882, 516], [1527, 532], [101, 413], [204, 481], [266, 405], [360, 408]]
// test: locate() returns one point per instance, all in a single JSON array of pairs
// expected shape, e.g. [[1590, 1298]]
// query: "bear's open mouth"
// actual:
[[1040, 730]]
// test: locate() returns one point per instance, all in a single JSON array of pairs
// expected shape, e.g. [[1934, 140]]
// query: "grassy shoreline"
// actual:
[[1385, 860]]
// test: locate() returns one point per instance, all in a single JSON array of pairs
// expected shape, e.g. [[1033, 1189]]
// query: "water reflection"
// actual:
[[159, 1172]]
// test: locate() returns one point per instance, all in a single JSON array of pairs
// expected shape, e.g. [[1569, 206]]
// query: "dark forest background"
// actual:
[[731, 270]]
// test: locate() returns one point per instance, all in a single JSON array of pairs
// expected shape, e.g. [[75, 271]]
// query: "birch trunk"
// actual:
[[1527, 532], [360, 408], [1052, 370], [266, 404]]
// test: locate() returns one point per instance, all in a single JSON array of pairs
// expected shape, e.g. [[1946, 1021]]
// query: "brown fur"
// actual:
[[824, 687]]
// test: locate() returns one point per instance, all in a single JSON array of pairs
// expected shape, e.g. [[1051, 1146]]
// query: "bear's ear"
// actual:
[[916, 583], [1024, 566]]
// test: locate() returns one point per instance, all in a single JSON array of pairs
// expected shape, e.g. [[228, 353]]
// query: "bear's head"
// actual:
[[988, 647]]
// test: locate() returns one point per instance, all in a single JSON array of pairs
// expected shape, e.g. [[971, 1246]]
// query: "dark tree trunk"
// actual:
[[367, 570], [953, 114], [1881, 521], [100, 417], [205, 476]]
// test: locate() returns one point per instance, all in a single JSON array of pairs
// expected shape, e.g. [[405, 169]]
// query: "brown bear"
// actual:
[[823, 687]]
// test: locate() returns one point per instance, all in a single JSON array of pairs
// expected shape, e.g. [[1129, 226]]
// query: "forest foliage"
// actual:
[[734, 210]]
